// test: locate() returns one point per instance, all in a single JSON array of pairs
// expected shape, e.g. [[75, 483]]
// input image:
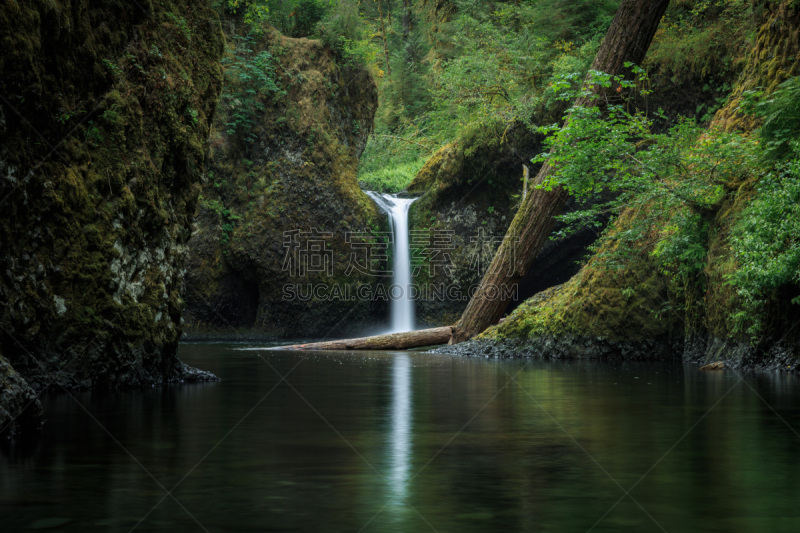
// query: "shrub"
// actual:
[[306, 15], [251, 78], [344, 31], [766, 242]]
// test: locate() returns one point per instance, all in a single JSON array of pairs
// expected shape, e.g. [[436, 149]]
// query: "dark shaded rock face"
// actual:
[[104, 121], [472, 189], [20, 410], [557, 262], [292, 170]]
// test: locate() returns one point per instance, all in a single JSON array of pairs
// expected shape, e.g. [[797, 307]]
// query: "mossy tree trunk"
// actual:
[[406, 19], [627, 40], [383, 37]]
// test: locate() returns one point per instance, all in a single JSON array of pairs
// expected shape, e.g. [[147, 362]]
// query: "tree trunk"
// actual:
[[406, 21], [392, 341], [383, 36], [627, 40]]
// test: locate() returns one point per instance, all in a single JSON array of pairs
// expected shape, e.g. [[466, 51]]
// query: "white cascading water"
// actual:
[[401, 310]]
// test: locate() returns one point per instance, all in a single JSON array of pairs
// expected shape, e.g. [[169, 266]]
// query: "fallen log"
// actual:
[[391, 341]]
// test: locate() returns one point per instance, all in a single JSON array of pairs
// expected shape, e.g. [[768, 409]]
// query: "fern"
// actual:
[[781, 115]]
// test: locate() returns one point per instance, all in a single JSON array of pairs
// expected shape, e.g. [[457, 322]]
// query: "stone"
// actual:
[[20, 409]]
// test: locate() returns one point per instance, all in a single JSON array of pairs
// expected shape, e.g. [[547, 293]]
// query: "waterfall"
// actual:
[[401, 310]]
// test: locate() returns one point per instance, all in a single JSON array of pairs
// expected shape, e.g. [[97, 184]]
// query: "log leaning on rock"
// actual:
[[392, 341]]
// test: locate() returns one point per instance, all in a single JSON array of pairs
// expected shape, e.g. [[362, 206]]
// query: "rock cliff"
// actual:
[[281, 181], [20, 409], [105, 111]]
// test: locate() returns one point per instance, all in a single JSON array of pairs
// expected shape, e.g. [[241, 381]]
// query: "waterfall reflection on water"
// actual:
[[454, 442], [400, 436]]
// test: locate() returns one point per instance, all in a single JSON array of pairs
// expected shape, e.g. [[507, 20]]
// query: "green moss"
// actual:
[[632, 304], [104, 160], [440, 170], [298, 172], [773, 58]]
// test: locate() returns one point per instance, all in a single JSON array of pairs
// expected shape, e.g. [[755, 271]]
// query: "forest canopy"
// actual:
[[456, 69]]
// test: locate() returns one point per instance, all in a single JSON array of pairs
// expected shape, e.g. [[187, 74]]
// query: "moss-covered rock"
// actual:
[[601, 312], [472, 188], [20, 409], [104, 123], [292, 170], [640, 312], [774, 57], [643, 312]]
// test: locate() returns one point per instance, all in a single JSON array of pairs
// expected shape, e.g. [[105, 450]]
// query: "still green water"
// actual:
[[410, 441]]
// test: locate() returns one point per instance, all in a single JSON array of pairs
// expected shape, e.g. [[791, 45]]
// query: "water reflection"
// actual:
[[400, 435], [505, 467]]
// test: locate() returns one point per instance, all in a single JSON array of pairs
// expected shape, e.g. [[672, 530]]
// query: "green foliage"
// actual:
[[306, 15], [251, 80], [494, 76], [113, 68], [181, 24], [344, 31], [766, 243], [252, 12], [477, 73], [781, 115], [673, 181], [672, 186], [393, 179], [296, 18], [703, 38], [227, 217], [563, 20], [684, 250], [93, 134], [390, 161]]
